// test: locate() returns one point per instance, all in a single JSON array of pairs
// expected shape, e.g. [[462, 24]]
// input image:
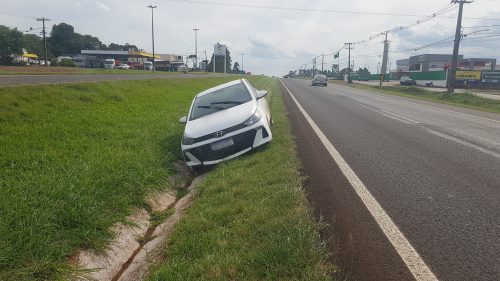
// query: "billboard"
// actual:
[[219, 50], [468, 75], [491, 77]]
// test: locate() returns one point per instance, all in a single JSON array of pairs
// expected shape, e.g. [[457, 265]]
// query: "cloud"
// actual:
[[262, 47], [102, 6], [78, 5]]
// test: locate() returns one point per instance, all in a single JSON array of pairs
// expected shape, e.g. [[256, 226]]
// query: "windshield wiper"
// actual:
[[227, 102], [211, 107]]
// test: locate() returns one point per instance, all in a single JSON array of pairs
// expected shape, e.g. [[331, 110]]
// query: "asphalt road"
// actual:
[[11, 80], [434, 169]]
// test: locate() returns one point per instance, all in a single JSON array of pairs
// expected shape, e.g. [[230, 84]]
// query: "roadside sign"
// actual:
[[468, 75], [220, 50], [491, 77]]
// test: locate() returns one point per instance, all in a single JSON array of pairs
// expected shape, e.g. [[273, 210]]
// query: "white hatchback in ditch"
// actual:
[[225, 122]]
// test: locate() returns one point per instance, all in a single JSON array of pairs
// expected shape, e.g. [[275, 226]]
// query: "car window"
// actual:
[[219, 100]]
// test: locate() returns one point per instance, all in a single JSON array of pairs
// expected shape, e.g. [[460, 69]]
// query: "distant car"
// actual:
[[407, 81], [319, 79], [123, 66], [225, 122]]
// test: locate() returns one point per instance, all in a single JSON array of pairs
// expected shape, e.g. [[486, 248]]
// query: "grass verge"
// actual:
[[76, 158], [250, 219], [466, 100], [59, 70]]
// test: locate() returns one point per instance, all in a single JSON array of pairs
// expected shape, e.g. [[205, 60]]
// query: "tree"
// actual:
[[219, 65], [118, 47], [86, 42], [67, 63], [236, 68], [10, 43], [33, 44], [62, 39]]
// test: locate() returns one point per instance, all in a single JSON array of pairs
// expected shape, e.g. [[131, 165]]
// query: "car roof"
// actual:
[[228, 84]]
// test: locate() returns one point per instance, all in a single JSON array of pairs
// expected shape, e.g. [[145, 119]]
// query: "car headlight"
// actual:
[[187, 140], [253, 119]]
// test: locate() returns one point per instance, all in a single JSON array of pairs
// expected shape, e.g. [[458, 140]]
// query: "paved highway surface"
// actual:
[[433, 169], [10, 80]]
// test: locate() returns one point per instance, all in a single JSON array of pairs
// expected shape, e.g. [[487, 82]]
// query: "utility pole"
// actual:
[[322, 62], [195, 47], [314, 67], [153, 33], [454, 60], [383, 70], [349, 80], [242, 54], [43, 20]]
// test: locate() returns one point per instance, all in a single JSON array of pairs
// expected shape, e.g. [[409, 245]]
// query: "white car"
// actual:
[[123, 66], [225, 122]]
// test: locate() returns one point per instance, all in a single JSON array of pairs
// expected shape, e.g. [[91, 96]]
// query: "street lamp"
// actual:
[[195, 47], [242, 54], [153, 33]]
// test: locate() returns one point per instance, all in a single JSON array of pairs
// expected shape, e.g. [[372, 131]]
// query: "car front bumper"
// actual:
[[243, 141]]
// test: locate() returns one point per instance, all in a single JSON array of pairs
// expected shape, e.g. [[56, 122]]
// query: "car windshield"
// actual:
[[219, 100]]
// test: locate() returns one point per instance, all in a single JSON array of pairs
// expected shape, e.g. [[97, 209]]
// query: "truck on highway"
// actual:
[[109, 63], [148, 65]]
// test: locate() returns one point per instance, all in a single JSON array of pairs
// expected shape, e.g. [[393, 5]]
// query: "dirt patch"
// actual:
[[152, 252], [140, 243]]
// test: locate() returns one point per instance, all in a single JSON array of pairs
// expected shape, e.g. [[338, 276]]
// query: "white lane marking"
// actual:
[[423, 105], [463, 142], [408, 254], [400, 116], [391, 115]]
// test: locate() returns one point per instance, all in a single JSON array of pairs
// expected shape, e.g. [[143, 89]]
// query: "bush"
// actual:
[[67, 63]]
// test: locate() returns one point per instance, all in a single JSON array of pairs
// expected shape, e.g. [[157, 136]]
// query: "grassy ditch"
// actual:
[[250, 219], [466, 100], [76, 158]]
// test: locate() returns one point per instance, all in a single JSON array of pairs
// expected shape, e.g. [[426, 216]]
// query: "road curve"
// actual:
[[434, 169], [13, 80]]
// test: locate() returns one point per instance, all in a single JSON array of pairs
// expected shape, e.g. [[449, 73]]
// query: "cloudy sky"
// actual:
[[284, 36]]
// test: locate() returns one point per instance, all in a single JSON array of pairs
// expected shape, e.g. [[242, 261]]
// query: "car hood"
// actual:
[[220, 120]]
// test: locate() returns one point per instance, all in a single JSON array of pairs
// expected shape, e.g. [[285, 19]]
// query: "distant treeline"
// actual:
[[61, 40]]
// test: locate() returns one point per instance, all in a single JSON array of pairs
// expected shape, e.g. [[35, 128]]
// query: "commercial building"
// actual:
[[439, 62], [169, 62]]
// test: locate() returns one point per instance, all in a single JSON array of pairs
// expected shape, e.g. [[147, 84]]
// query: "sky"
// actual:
[[275, 40]]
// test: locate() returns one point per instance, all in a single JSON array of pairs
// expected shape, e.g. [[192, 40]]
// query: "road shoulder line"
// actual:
[[408, 254]]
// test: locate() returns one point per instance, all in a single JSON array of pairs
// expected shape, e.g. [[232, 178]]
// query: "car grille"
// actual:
[[241, 142], [225, 131]]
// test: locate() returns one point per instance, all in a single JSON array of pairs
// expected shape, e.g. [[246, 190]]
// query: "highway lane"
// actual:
[[12, 80], [434, 169]]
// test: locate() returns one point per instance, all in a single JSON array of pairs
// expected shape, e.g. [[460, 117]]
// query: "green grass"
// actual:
[[76, 158], [466, 100], [250, 219]]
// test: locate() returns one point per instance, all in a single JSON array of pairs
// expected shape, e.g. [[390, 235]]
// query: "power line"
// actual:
[[282, 8]]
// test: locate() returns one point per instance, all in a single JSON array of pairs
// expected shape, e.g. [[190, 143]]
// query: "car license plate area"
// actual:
[[221, 144]]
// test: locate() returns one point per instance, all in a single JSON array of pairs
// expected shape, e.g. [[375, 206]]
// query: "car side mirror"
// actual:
[[261, 94], [183, 120]]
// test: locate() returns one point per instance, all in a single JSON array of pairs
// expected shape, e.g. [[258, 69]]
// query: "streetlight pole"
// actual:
[[195, 47], [153, 33], [242, 54]]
